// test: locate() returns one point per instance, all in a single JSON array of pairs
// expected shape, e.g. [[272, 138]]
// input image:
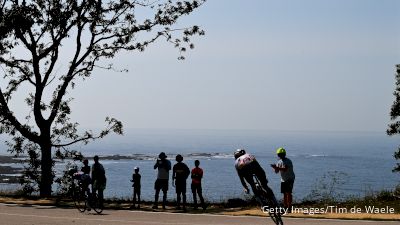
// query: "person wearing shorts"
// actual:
[[99, 179], [164, 166], [197, 175], [180, 173], [285, 167]]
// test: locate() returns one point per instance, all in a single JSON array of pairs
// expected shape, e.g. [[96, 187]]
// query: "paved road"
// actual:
[[39, 215]]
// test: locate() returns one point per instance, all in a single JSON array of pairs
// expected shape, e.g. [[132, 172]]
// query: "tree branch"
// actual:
[[8, 116]]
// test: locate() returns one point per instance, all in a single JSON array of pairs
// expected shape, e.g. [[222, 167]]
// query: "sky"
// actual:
[[262, 65]]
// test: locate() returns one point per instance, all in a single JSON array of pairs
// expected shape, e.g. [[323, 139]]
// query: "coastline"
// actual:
[[8, 173]]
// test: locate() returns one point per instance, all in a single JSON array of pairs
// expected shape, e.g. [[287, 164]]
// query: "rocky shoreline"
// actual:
[[9, 174]]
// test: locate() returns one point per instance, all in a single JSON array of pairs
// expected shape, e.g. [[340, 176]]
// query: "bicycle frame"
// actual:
[[268, 201], [81, 199]]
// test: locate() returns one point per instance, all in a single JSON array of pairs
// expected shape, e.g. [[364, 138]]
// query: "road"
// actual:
[[43, 215]]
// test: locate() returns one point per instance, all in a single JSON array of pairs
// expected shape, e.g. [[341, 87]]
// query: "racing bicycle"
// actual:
[[268, 201]]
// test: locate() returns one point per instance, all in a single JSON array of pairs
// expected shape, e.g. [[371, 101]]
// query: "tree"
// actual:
[[32, 38], [394, 127]]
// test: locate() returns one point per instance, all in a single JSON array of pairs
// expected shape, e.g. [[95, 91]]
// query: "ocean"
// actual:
[[362, 161]]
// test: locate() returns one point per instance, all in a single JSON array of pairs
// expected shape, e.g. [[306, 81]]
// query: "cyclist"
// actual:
[[246, 166]]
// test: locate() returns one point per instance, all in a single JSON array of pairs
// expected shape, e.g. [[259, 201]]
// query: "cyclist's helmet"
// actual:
[[239, 152], [179, 158], [281, 151]]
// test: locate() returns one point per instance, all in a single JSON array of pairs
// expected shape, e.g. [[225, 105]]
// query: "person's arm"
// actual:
[[187, 171], [173, 174], [246, 188], [168, 165], [276, 169], [280, 166], [156, 165]]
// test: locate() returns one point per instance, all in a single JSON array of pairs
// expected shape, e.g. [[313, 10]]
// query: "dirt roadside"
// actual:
[[212, 209], [347, 216]]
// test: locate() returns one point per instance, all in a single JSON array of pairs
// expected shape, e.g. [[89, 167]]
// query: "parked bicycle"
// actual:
[[268, 202], [80, 193]]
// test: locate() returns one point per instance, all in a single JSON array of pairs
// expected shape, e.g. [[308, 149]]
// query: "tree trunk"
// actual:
[[46, 180]]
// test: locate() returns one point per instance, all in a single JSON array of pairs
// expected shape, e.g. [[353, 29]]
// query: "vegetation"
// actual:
[[326, 188], [35, 38], [394, 127]]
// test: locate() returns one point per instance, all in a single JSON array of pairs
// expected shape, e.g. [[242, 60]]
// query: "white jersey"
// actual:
[[244, 160]]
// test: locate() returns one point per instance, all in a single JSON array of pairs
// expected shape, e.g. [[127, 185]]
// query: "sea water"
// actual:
[[362, 161]]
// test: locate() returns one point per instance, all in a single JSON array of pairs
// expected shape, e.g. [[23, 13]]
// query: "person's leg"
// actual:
[[288, 193], [289, 200], [285, 200], [178, 199], [184, 200], [262, 178], [200, 192], [193, 187], [156, 198], [164, 199], [134, 198], [165, 190], [157, 188], [101, 196], [89, 195], [138, 196]]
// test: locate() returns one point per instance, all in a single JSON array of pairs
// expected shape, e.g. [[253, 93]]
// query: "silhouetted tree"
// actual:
[[394, 127], [35, 34]]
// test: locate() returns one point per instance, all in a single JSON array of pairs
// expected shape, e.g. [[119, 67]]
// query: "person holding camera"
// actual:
[[164, 166]]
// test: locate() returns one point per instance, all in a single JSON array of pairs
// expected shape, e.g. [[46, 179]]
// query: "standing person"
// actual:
[[197, 175], [285, 167], [136, 187], [86, 180], [164, 166], [180, 173], [85, 168], [99, 179]]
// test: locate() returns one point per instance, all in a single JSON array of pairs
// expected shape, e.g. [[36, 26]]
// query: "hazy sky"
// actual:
[[287, 65]]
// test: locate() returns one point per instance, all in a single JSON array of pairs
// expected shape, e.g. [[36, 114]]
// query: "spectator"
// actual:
[[285, 167], [136, 187], [99, 179], [164, 166], [180, 173], [197, 175]]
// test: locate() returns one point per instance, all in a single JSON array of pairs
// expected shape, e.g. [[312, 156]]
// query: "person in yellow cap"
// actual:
[[285, 167]]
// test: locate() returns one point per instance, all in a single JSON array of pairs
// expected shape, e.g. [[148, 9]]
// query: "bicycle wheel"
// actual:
[[96, 204], [79, 198], [272, 203]]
